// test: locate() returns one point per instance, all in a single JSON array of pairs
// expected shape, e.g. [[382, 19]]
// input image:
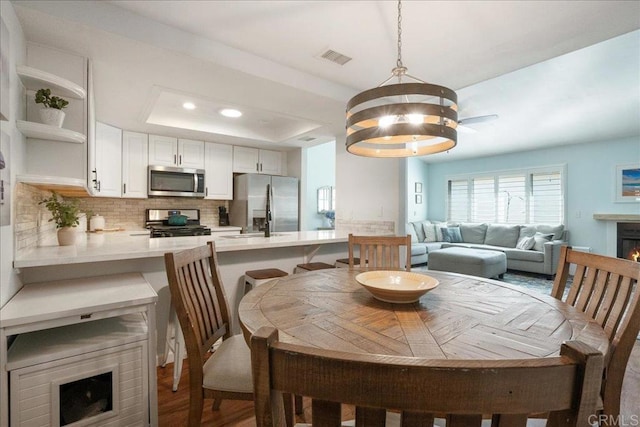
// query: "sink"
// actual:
[[248, 235]]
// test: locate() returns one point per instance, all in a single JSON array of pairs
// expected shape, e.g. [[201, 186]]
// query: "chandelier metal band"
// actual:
[[431, 130]]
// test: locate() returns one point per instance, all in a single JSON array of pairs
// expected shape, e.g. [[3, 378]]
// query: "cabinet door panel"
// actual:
[[134, 164], [245, 160], [108, 160], [191, 154], [218, 176], [163, 150], [270, 162]]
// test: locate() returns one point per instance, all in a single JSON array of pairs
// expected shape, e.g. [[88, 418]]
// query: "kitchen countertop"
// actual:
[[132, 244]]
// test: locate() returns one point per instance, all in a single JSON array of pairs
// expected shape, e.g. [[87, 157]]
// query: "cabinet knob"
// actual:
[[124, 190], [180, 157]]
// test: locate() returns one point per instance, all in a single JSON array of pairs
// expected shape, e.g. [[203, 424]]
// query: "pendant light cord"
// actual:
[[399, 61]]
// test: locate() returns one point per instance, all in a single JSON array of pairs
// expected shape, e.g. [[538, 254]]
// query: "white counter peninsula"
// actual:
[[133, 251]]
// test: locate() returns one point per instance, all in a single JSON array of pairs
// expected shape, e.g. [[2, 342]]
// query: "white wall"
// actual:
[[320, 171], [590, 183], [369, 188], [416, 173], [15, 155]]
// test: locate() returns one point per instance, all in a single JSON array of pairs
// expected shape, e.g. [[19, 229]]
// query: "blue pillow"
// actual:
[[451, 235]]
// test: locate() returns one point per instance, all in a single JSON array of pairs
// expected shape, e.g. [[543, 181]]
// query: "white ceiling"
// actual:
[[556, 72]]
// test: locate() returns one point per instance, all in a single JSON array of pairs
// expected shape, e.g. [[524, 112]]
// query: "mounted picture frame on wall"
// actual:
[[627, 183], [418, 187], [418, 199]]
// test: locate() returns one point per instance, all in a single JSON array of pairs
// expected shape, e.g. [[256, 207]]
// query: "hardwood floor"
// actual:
[[173, 406]]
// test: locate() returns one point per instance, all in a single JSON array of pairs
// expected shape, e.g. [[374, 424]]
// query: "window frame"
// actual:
[[495, 174]]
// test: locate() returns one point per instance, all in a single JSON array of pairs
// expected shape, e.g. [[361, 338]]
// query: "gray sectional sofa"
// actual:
[[533, 248]]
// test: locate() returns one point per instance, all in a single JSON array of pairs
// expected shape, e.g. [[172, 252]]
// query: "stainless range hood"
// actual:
[[67, 187]]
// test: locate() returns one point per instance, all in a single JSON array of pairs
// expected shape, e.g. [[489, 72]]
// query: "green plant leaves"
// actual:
[[64, 212], [43, 96]]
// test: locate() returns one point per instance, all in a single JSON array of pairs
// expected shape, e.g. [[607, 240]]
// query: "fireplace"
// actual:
[[628, 240]]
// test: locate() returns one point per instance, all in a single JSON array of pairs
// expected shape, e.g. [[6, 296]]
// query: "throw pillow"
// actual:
[[451, 235], [526, 243], [429, 233], [439, 226], [540, 240], [412, 231]]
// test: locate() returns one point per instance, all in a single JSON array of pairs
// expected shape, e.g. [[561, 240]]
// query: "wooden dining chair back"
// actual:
[[201, 306], [606, 289], [566, 386], [380, 252]]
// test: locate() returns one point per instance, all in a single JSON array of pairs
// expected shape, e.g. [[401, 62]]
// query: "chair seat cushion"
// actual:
[[229, 367]]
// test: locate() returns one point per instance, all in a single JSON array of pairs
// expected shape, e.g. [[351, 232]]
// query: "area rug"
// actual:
[[537, 282]]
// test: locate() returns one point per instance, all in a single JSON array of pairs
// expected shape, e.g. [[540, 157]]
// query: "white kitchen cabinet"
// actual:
[[190, 153], [254, 160], [163, 150], [169, 151], [108, 170], [218, 166], [134, 164]]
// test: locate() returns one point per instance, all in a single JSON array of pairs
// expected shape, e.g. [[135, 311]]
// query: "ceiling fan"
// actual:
[[463, 124]]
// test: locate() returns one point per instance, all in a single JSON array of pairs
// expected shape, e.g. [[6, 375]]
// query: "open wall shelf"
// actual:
[[34, 79], [40, 131]]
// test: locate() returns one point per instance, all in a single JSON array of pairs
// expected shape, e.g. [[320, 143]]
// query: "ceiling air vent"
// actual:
[[333, 56], [306, 138]]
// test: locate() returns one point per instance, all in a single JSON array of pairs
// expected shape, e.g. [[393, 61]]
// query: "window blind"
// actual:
[[529, 196]]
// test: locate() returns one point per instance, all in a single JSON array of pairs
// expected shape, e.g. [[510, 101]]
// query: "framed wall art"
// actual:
[[418, 187], [628, 183], [418, 199]]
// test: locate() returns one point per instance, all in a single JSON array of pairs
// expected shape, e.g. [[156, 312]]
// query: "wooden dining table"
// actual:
[[464, 317]]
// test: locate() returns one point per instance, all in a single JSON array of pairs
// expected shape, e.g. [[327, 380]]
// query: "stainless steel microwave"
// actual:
[[178, 182]]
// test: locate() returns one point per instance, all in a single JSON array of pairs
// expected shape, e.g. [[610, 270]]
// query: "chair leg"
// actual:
[[196, 401], [177, 362], [298, 405], [216, 404], [288, 409], [168, 338]]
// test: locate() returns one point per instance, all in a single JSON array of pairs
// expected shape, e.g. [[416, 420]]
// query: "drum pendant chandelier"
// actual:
[[402, 119]]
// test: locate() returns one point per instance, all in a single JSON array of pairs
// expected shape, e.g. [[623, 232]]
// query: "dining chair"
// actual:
[[605, 288], [379, 252], [567, 386], [200, 302]]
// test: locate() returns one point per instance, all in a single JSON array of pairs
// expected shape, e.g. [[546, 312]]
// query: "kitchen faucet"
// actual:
[[267, 226]]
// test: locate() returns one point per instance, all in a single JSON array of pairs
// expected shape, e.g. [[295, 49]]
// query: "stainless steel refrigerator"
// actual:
[[248, 209]]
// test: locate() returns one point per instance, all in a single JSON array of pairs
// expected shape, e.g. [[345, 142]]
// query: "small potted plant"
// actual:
[[65, 213], [52, 113]]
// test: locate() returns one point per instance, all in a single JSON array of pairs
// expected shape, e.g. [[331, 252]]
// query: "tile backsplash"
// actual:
[[32, 226], [130, 213]]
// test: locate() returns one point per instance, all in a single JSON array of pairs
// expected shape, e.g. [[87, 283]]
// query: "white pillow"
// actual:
[[429, 233], [540, 240], [526, 243]]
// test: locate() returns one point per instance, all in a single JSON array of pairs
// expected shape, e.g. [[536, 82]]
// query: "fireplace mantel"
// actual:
[[611, 221], [617, 217]]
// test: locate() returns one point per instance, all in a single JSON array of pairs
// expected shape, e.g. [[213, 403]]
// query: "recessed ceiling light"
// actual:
[[230, 112], [189, 106]]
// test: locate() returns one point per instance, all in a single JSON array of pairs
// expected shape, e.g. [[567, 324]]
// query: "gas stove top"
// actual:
[[179, 230], [157, 221]]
